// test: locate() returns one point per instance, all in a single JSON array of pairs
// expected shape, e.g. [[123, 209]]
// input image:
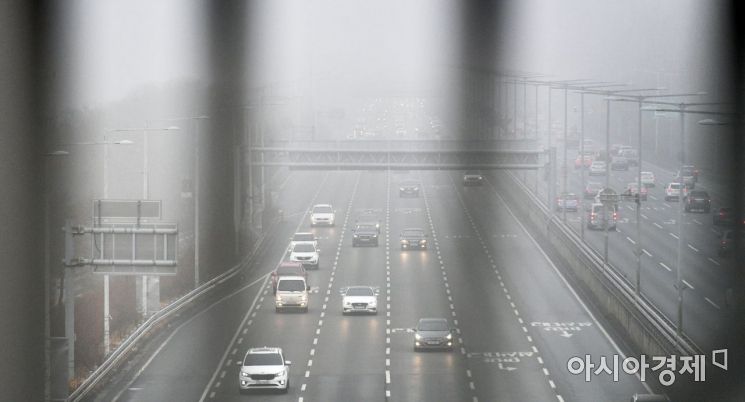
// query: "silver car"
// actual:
[[264, 368], [433, 333]]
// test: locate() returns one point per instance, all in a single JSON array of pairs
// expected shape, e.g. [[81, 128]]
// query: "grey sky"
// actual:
[[111, 47]]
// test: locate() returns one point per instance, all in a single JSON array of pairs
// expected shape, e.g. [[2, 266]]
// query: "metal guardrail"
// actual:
[[121, 352], [620, 285]]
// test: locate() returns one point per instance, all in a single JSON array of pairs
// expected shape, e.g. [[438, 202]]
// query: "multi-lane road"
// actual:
[[517, 321], [704, 273]]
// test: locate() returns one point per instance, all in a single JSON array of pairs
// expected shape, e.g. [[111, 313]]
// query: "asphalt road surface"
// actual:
[[517, 322]]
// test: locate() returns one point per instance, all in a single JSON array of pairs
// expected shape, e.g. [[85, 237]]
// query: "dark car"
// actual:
[[408, 189], [591, 189], [568, 201], [288, 268], [698, 201], [473, 178], [433, 333], [723, 217], [368, 217], [730, 241], [413, 238], [619, 163], [365, 234]]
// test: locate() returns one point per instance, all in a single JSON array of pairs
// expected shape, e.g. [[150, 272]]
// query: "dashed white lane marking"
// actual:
[[693, 248], [657, 224], [688, 284], [471, 384], [646, 252], [644, 216], [666, 267], [673, 235], [713, 261], [696, 222], [716, 306], [630, 240]]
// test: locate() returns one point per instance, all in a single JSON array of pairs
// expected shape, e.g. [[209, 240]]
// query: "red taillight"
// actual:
[[615, 215]]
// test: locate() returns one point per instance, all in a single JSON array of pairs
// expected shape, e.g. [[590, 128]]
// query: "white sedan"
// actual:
[[359, 299]]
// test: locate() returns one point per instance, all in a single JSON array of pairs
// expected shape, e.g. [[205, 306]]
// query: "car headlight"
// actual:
[[401, 188], [417, 337], [374, 303], [449, 337], [244, 374], [404, 241], [355, 235], [416, 188], [423, 241]]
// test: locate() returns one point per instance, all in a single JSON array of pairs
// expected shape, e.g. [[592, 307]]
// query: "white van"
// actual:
[[292, 293]]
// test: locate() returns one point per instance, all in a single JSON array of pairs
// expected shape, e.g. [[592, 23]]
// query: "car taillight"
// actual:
[[615, 215]]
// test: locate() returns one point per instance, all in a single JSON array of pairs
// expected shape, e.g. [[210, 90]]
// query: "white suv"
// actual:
[[673, 190], [303, 237], [306, 254], [264, 368], [322, 214]]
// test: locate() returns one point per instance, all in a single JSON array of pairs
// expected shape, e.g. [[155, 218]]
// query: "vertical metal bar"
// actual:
[[638, 250], [582, 161], [679, 263], [566, 165]]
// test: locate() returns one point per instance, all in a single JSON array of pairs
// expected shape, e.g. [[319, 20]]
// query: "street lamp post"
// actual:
[[640, 99], [195, 184], [680, 284]]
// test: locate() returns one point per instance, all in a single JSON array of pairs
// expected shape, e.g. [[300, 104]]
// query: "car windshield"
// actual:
[[323, 210], [433, 325], [472, 172], [304, 248], [360, 291], [687, 172], [288, 270], [594, 186], [409, 183], [647, 174], [569, 196], [292, 285], [412, 232], [675, 186], [365, 226], [703, 194], [263, 359], [304, 237]]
